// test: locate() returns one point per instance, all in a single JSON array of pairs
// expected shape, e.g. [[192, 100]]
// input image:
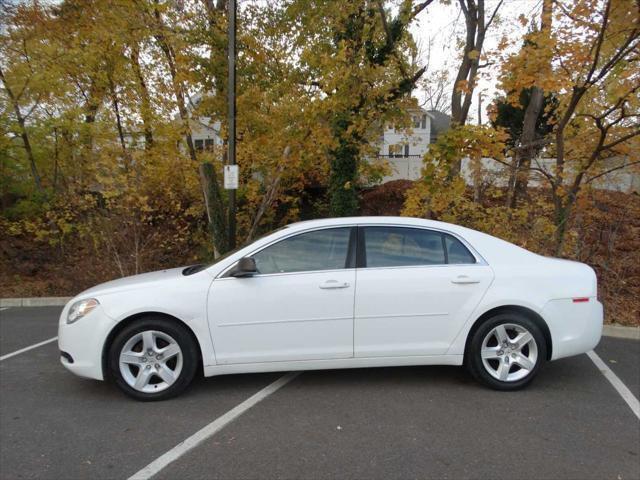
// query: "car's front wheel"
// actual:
[[153, 359], [506, 351]]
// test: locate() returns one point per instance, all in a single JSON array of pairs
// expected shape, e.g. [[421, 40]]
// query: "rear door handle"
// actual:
[[464, 279], [333, 284]]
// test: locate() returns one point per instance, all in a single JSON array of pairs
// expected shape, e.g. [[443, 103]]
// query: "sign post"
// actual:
[[231, 169]]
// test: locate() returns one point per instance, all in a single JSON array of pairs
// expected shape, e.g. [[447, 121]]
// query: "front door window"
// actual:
[[308, 252]]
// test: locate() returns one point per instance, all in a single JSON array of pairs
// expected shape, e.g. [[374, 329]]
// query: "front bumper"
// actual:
[[83, 342], [575, 327]]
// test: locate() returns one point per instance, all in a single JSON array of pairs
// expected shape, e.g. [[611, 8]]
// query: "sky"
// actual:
[[439, 23]]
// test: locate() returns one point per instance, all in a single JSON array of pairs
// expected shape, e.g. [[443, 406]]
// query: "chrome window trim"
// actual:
[[281, 274], [479, 258], [480, 261]]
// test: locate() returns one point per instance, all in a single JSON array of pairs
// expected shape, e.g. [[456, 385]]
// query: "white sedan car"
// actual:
[[337, 293]]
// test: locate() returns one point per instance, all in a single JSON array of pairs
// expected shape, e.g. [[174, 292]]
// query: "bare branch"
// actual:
[[385, 25], [534, 144], [620, 140], [420, 7], [599, 40], [606, 172], [464, 8], [493, 15]]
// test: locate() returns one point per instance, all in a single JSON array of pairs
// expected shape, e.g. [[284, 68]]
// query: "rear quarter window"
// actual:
[[457, 253]]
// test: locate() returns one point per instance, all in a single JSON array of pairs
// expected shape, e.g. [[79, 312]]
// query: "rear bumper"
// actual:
[[575, 327]]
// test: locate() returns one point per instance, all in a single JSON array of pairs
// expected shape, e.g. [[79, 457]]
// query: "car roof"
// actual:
[[394, 220], [386, 220]]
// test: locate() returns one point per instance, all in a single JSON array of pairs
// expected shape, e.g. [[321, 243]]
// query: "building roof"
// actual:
[[440, 122]]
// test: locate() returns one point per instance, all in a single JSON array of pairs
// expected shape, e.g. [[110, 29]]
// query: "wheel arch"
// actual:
[[122, 324], [531, 314]]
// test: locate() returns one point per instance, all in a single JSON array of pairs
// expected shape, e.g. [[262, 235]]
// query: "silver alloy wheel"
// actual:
[[509, 352], [150, 361]]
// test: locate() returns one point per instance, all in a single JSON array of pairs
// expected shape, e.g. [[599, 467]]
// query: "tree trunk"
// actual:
[[91, 107], [211, 188], [562, 211], [23, 134], [215, 215], [269, 195], [116, 110], [145, 108], [465, 81], [55, 160], [344, 170], [477, 179], [519, 177], [518, 182], [458, 113]]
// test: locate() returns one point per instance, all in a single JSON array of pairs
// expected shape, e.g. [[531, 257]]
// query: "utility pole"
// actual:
[[231, 120], [479, 108]]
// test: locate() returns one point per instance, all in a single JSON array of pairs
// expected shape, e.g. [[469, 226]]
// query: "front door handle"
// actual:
[[464, 279], [333, 284]]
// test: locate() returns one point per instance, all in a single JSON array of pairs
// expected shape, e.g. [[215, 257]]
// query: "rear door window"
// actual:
[[400, 247], [404, 247]]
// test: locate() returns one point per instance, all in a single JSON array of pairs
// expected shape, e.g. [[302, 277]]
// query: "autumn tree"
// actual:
[[86, 90], [440, 195], [356, 61], [282, 143], [515, 116], [24, 85], [537, 106], [505, 114], [593, 53]]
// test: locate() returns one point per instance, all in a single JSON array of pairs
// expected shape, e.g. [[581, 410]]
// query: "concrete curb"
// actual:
[[34, 302], [613, 330], [620, 331]]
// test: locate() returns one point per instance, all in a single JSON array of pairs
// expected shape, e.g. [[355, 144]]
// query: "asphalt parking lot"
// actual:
[[417, 422]]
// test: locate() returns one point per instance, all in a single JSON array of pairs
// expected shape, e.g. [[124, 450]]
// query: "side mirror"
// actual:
[[245, 267]]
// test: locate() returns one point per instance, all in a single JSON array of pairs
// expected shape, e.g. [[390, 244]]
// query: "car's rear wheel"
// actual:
[[506, 351], [153, 359]]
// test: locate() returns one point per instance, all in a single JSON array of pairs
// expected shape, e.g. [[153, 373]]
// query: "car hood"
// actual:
[[143, 280]]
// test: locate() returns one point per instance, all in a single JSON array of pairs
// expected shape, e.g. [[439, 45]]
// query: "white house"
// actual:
[[205, 134], [403, 150]]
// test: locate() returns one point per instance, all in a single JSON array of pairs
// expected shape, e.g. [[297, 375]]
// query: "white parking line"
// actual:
[[208, 431], [621, 388], [26, 349]]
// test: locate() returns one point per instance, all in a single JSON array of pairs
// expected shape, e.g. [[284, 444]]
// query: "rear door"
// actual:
[[415, 289]]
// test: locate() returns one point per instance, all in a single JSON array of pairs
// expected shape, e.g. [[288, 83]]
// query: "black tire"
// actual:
[[188, 347], [474, 362]]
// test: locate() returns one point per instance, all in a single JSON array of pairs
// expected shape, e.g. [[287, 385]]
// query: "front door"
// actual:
[[415, 291], [298, 307]]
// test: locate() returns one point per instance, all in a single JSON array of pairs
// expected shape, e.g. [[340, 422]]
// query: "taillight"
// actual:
[[580, 299]]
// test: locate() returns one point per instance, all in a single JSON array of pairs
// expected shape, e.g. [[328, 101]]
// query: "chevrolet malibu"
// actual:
[[337, 293]]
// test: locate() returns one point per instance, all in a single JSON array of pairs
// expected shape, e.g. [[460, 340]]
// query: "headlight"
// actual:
[[81, 308]]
